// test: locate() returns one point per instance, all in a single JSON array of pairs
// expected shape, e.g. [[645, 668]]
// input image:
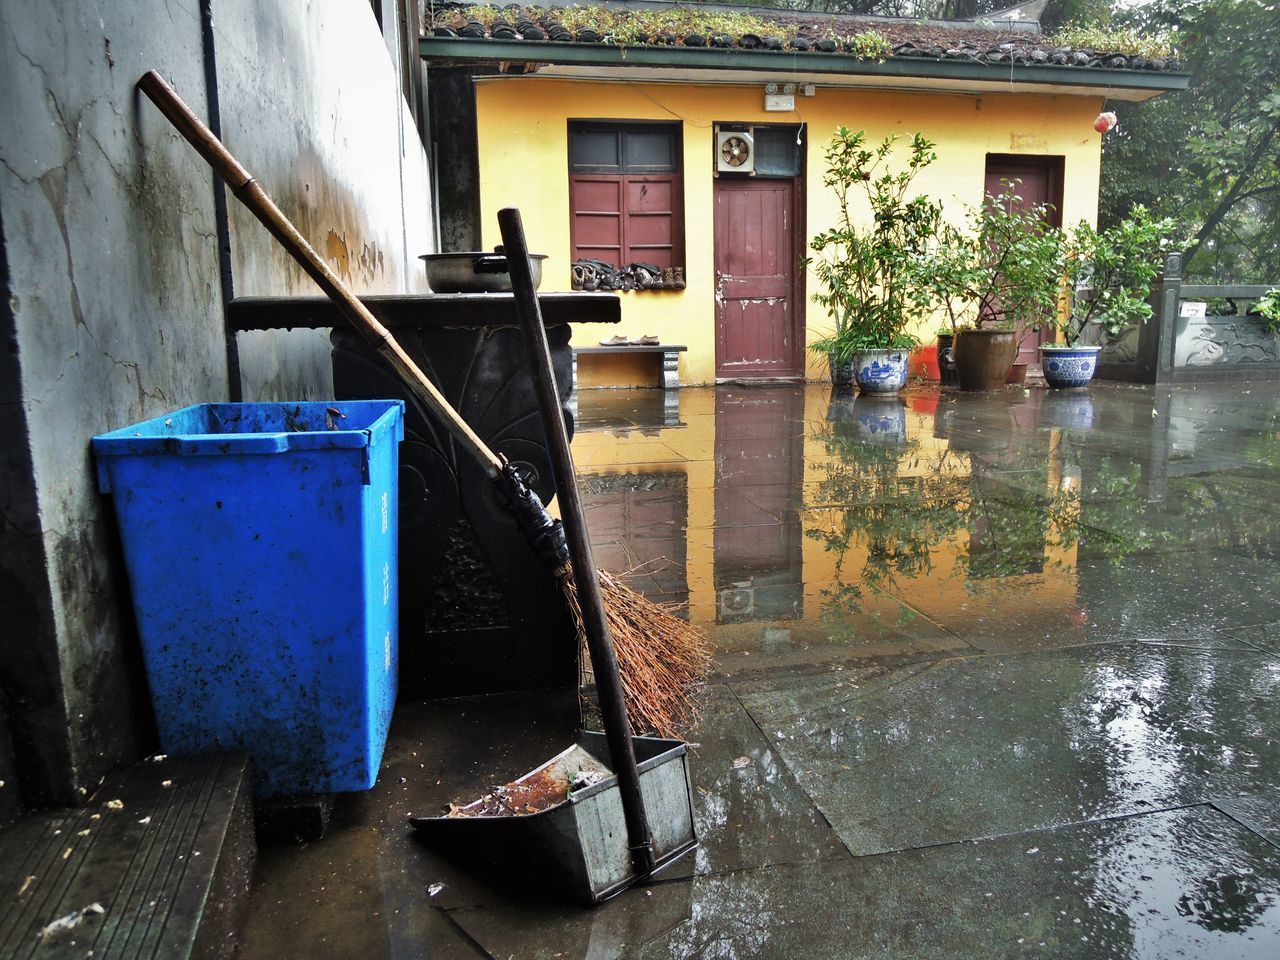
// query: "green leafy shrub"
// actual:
[[1268, 306], [1005, 270], [1106, 39], [1109, 273], [626, 27], [870, 275]]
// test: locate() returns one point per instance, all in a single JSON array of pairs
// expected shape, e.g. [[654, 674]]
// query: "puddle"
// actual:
[[829, 516]]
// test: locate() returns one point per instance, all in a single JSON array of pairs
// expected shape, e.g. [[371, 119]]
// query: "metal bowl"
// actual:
[[476, 272]]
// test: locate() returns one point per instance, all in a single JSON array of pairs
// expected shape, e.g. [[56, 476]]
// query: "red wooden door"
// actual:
[[755, 263], [1041, 183]]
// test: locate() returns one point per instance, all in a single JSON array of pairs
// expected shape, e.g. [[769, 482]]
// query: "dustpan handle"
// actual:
[[249, 192], [595, 624]]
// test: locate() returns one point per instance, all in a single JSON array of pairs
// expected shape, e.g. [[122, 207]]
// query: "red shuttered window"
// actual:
[[625, 193]]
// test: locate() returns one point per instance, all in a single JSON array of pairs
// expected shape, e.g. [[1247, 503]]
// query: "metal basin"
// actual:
[[474, 272]]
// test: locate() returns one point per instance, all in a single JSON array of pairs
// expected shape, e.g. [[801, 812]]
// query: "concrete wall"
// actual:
[[112, 308], [311, 105], [515, 139]]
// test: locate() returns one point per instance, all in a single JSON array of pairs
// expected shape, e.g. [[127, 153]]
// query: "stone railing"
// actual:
[[1178, 345]]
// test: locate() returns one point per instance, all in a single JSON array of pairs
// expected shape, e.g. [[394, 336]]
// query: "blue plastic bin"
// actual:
[[260, 540]]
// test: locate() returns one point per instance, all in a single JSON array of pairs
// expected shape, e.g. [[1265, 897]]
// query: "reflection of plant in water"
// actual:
[[890, 508], [1009, 539], [896, 519]]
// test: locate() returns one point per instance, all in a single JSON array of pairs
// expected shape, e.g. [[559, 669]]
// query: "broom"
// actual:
[[662, 659]]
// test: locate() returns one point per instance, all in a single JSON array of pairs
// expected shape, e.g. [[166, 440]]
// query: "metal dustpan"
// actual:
[[565, 818]]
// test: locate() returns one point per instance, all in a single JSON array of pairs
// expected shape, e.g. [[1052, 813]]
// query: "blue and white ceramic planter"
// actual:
[[881, 371], [1066, 367]]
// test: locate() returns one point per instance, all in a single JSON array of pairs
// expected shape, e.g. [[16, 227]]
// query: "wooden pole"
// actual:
[[595, 624]]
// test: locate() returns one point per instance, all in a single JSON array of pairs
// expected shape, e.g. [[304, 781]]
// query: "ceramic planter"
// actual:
[[881, 372], [1068, 367], [947, 361], [842, 372], [1067, 411], [983, 358]]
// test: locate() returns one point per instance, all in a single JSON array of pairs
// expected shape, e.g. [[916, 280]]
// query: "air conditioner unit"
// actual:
[[737, 602], [735, 151]]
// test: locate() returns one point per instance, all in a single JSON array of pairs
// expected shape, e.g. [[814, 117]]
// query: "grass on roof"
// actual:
[[637, 26], [623, 27], [1100, 39]]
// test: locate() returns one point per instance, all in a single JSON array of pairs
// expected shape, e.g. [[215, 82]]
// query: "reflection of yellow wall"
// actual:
[[691, 448], [523, 144]]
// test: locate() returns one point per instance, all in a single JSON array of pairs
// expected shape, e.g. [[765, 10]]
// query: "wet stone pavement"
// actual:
[[1005, 672]]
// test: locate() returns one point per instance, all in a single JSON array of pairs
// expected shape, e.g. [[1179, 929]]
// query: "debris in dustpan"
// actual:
[[548, 786]]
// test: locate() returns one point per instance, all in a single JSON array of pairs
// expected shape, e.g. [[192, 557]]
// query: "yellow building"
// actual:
[[697, 168]]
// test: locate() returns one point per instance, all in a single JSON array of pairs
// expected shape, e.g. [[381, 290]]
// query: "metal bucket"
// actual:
[[583, 839]]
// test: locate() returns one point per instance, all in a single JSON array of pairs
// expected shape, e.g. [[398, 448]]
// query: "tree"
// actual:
[[1208, 156]]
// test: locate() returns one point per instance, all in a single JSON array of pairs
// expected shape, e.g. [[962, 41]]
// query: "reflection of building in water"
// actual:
[[759, 451], [637, 524], [779, 512]]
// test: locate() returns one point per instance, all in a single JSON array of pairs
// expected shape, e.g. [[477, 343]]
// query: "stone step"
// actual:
[[156, 865]]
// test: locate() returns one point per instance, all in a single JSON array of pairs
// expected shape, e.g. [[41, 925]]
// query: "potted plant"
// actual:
[[868, 273], [946, 356], [994, 281], [1268, 308], [1109, 274]]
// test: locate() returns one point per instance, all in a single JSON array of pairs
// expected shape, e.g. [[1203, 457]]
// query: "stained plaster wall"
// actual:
[[112, 308], [311, 105]]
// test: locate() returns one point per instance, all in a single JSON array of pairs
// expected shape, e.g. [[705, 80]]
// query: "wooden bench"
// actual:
[[670, 373]]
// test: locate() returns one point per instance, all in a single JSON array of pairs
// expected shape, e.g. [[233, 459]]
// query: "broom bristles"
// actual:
[[663, 661]]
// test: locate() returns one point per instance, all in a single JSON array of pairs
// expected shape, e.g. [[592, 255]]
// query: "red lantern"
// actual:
[[1104, 122]]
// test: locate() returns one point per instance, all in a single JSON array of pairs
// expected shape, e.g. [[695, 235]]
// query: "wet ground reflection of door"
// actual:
[[759, 456], [637, 524]]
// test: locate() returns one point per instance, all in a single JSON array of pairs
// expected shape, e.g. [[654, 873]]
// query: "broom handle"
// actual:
[[595, 624], [249, 192]]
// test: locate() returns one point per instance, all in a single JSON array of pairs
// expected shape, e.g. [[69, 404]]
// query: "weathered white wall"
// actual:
[[114, 313], [112, 308], [311, 104]]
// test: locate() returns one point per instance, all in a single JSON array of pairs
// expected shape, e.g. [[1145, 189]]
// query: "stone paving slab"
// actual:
[[749, 812], [983, 746], [1191, 595], [355, 895], [1186, 883], [1260, 814], [826, 638]]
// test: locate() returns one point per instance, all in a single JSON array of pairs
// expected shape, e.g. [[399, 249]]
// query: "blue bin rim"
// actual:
[[132, 441]]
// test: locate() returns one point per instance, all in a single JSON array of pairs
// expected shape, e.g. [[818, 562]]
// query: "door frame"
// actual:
[[799, 243], [1053, 167]]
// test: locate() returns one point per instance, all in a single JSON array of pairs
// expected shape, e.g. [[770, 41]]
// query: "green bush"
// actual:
[[870, 275], [1109, 273]]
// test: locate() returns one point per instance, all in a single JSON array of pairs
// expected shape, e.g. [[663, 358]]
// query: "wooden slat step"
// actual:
[[156, 865]]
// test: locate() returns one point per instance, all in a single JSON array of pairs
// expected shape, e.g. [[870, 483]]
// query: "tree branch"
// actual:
[[1231, 198]]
